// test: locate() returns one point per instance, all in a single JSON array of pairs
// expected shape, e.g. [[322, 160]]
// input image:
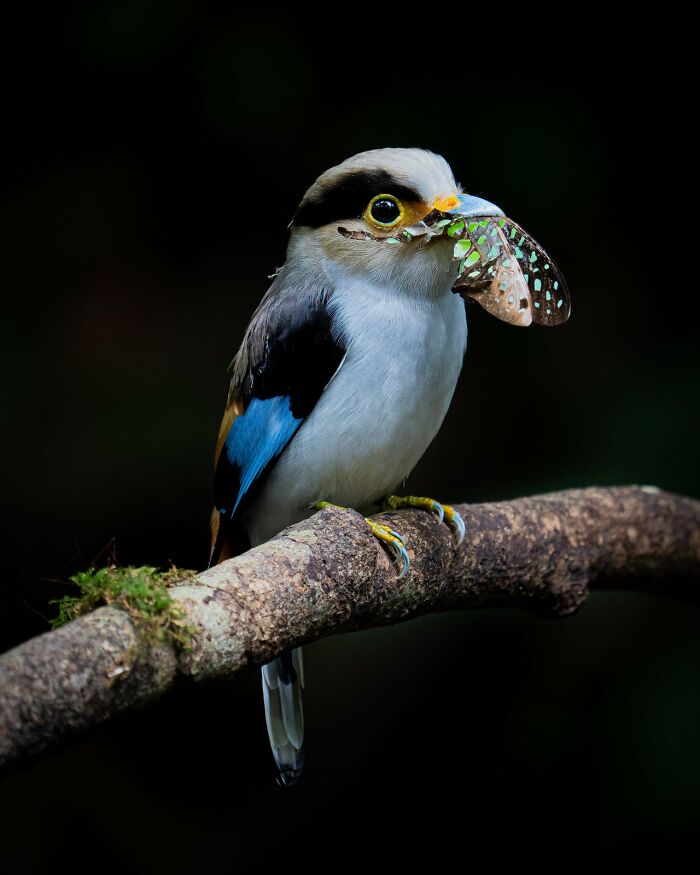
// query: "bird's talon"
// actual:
[[400, 554], [444, 512], [439, 510], [455, 520], [405, 560], [393, 541]]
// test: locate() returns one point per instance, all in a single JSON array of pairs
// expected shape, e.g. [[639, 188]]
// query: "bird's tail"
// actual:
[[282, 683]]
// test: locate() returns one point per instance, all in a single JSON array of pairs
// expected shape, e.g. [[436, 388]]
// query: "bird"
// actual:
[[349, 364]]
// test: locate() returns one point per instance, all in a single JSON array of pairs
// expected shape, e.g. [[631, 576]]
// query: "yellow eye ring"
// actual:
[[384, 206]]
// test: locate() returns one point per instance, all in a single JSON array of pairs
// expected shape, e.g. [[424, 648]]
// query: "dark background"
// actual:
[[154, 154]]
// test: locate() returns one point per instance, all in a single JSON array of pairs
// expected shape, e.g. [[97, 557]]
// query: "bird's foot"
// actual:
[[444, 512], [394, 542], [392, 539]]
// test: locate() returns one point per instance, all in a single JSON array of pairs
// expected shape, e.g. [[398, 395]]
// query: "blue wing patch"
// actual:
[[254, 441], [289, 354]]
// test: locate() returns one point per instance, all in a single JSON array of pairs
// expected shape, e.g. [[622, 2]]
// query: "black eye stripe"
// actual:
[[348, 196]]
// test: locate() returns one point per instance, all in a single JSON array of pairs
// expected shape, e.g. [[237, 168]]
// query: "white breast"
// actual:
[[379, 413]]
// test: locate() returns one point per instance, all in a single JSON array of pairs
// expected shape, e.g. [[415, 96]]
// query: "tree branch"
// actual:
[[328, 574]]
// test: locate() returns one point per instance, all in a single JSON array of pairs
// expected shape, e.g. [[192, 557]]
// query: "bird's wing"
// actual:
[[288, 356]]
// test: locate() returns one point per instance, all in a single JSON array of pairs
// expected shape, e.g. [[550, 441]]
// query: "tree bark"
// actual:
[[328, 574]]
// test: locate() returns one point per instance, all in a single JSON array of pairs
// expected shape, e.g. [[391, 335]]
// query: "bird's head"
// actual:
[[380, 217], [379, 194]]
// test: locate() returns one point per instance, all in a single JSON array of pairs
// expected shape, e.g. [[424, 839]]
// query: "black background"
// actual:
[[154, 154]]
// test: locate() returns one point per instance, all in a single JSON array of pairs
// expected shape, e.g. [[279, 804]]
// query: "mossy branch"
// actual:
[[328, 575], [142, 592]]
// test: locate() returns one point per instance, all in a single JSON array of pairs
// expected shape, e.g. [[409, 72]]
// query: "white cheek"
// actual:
[[416, 268], [427, 267]]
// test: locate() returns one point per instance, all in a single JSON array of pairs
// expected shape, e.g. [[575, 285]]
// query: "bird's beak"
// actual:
[[467, 206]]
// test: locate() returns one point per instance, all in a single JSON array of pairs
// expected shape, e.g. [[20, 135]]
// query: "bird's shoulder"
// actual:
[[291, 347]]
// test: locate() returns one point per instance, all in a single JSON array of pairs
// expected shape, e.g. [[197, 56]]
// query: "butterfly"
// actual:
[[507, 272]]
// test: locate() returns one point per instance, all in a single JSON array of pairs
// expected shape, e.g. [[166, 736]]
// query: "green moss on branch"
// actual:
[[141, 592]]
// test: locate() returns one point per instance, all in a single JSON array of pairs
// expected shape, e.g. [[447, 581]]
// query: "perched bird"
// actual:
[[349, 364]]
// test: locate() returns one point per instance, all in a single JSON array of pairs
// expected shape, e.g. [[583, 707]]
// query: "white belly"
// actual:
[[380, 412]]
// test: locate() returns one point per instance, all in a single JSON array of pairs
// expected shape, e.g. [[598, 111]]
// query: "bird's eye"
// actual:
[[384, 210]]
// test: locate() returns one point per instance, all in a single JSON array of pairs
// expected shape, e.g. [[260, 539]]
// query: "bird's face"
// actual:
[[396, 219], [379, 194]]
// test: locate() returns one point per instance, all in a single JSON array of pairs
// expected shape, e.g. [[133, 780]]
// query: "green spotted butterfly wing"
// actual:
[[508, 273], [550, 297], [489, 273]]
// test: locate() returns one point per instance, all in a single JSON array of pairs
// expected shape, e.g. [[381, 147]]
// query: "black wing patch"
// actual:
[[288, 357]]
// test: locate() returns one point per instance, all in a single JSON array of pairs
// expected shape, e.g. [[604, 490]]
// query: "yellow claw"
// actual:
[[454, 519], [383, 533], [394, 541], [443, 511]]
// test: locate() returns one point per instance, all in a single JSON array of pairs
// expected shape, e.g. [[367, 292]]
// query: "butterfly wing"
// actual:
[[489, 273], [508, 273], [551, 301]]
